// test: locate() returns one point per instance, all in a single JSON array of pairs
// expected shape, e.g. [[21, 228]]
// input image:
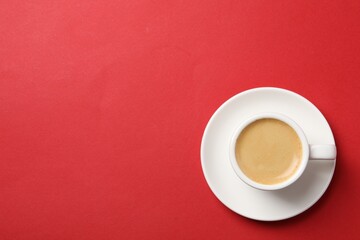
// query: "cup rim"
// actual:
[[300, 134]]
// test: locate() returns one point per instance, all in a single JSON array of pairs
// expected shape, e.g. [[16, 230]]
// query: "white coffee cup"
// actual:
[[309, 151]]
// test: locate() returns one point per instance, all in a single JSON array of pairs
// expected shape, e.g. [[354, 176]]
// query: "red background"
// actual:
[[103, 105]]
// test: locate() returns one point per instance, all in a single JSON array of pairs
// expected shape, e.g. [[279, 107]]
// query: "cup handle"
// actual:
[[322, 152]]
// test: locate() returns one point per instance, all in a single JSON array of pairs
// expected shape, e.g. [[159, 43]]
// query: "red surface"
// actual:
[[103, 105]]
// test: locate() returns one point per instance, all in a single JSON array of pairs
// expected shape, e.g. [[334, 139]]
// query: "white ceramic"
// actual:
[[323, 151], [237, 195]]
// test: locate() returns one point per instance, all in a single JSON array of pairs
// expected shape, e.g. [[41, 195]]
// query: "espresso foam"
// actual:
[[268, 151]]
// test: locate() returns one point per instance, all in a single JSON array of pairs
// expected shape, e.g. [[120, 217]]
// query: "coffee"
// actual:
[[268, 151]]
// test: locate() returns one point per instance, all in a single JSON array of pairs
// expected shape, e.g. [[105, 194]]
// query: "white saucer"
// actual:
[[250, 202]]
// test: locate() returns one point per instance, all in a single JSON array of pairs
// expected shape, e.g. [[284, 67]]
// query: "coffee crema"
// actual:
[[268, 151]]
